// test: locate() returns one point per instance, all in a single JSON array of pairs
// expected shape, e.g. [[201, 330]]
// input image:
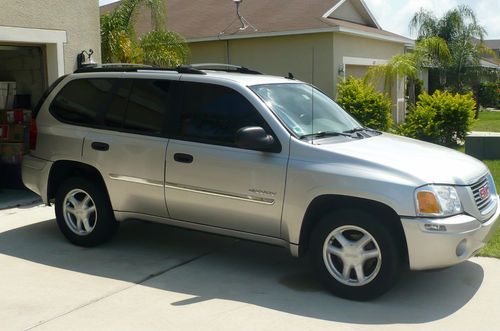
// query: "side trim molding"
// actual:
[[241, 197], [137, 180]]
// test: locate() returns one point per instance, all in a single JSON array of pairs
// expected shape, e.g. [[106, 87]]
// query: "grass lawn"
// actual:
[[493, 247], [490, 121], [487, 121]]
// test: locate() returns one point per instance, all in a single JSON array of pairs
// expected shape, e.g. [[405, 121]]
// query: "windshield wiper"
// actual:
[[361, 129], [324, 134]]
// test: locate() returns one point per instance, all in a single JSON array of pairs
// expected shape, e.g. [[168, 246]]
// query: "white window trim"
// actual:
[[53, 39]]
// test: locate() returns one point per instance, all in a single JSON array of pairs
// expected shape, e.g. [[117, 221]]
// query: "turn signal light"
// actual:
[[427, 203]]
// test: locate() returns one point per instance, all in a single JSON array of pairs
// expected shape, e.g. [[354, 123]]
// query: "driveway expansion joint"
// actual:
[[142, 281]]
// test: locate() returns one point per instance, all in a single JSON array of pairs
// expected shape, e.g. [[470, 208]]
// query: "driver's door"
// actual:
[[211, 181]]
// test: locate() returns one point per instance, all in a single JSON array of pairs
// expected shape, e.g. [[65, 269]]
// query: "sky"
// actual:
[[394, 15]]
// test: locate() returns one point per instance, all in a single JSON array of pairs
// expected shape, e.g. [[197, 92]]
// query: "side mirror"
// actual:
[[254, 137]]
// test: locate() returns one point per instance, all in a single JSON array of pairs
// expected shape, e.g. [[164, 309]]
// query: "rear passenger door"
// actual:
[[209, 180], [126, 138]]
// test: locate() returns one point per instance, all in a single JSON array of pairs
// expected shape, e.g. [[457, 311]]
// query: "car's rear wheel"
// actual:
[[354, 254], [83, 212]]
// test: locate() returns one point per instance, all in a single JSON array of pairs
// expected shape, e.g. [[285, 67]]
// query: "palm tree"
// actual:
[[119, 42], [430, 52], [460, 30]]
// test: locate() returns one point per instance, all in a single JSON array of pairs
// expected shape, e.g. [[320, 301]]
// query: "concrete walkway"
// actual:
[[155, 277]]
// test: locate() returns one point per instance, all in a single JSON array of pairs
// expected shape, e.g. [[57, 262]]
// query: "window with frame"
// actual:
[[213, 114], [82, 101]]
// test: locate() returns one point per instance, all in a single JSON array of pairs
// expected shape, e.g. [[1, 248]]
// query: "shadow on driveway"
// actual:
[[208, 266]]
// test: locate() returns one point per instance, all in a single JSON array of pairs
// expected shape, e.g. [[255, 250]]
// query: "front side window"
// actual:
[[213, 114], [304, 109]]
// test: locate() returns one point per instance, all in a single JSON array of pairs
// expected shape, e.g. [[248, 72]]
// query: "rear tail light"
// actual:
[[33, 134]]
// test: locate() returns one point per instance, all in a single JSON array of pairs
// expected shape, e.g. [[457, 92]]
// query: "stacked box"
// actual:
[[4, 92], [11, 94], [11, 152], [14, 135]]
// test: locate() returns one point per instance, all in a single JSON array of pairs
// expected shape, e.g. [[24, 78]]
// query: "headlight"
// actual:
[[437, 200]]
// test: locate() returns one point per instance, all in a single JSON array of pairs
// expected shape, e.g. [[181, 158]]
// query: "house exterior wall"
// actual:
[[282, 54], [79, 19], [346, 45], [276, 56]]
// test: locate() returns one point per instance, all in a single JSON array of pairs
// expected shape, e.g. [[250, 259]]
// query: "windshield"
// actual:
[[305, 110]]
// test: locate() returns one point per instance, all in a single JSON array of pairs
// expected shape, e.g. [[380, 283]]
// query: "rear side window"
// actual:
[[147, 105], [45, 94], [129, 105], [82, 101], [213, 114]]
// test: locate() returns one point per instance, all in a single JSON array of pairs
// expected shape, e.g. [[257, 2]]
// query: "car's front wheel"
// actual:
[[354, 254], [83, 212]]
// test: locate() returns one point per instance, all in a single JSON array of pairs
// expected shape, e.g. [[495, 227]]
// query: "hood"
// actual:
[[429, 163]]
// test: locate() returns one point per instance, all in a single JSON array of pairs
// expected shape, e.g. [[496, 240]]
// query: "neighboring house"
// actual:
[[40, 40], [492, 63], [494, 44], [319, 41]]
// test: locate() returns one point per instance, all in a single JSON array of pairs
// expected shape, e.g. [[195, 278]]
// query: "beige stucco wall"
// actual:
[[79, 18], [282, 54], [360, 47], [276, 56]]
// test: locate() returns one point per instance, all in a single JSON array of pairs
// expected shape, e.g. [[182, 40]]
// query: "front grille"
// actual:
[[482, 204]]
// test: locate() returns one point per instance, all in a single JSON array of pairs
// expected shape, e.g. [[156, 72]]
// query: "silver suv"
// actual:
[[264, 158]]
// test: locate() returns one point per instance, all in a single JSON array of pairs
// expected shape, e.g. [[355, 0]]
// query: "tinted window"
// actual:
[[213, 114], [115, 109], [147, 105], [80, 101], [45, 94]]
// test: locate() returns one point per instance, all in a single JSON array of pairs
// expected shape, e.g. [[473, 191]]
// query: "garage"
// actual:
[[23, 79], [30, 59]]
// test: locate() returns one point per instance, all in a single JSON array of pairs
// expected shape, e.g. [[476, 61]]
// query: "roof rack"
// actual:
[[224, 67], [183, 69], [130, 67]]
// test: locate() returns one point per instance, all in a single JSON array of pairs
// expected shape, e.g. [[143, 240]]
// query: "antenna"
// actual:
[[244, 22], [312, 95]]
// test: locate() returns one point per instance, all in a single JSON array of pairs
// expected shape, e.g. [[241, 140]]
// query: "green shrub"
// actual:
[[489, 95], [443, 118], [371, 108]]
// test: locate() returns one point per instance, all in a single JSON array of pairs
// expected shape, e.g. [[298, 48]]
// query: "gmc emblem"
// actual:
[[484, 192]]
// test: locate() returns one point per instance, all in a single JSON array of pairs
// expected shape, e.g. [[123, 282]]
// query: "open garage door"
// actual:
[[22, 82]]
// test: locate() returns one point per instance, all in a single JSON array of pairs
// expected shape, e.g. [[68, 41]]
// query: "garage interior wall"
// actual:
[[25, 66]]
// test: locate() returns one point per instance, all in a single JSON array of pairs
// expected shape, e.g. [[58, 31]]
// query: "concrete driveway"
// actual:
[[158, 277]]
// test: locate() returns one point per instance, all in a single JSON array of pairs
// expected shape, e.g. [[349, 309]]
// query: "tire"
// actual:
[[373, 264], [83, 212]]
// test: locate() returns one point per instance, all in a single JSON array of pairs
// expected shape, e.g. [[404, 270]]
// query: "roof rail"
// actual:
[[130, 67], [224, 67]]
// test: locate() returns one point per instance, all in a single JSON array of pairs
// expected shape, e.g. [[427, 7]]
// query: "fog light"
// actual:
[[435, 227], [461, 248]]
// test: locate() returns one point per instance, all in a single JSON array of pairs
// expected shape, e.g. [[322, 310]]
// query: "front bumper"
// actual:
[[435, 243]]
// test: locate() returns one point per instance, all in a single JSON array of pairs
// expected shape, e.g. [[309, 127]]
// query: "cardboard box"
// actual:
[[3, 101], [11, 153], [15, 116], [4, 131], [13, 132]]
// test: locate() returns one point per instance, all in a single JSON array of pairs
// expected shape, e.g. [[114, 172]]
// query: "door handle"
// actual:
[[98, 146], [183, 158]]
